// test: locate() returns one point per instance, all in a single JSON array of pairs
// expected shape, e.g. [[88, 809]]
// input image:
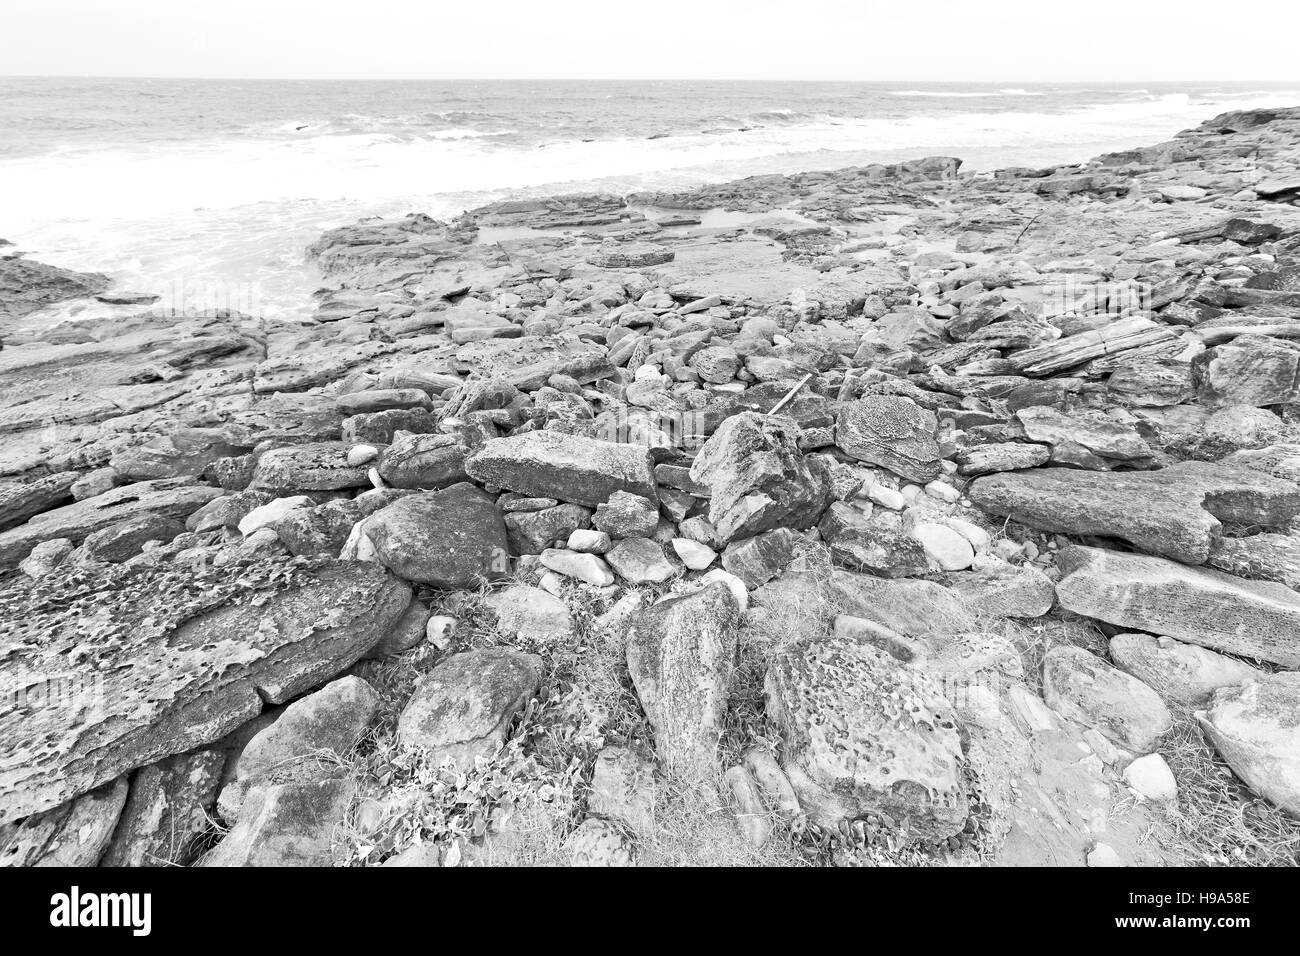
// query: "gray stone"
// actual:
[[1084, 688], [453, 538], [1180, 673], [1256, 729], [571, 468], [892, 432], [166, 811]]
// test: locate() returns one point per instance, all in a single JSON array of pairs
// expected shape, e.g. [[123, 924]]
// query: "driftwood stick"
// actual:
[[790, 394]]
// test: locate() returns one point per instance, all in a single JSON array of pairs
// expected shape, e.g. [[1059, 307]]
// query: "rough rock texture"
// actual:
[[863, 733], [166, 661], [463, 708], [1177, 511], [166, 811], [1082, 687], [680, 654], [857, 544], [1256, 729], [892, 432], [1181, 673], [285, 825], [1005, 591], [75, 834], [531, 613], [571, 468], [1250, 618], [758, 479], [452, 538]]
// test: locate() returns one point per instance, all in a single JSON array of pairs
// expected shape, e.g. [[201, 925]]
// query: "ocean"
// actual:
[[166, 182]]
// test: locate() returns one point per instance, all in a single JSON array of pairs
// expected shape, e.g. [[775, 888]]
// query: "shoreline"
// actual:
[[1037, 441]]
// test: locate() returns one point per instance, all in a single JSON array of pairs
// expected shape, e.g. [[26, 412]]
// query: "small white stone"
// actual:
[[589, 542], [979, 538], [552, 582], [359, 455], [272, 512], [911, 491], [943, 491], [439, 630], [1151, 777], [887, 497], [945, 548], [694, 555], [1103, 855], [588, 568]]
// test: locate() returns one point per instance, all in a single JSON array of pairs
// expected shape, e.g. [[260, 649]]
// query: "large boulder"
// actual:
[[892, 432], [1257, 619], [681, 653], [758, 479], [1256, 729], [1176, 511], [171, 658], [549, 464], [452, 538], [863, 733], [462, 709]]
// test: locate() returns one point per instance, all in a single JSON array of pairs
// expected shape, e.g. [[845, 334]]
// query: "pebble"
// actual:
[[361, 454], [1151, 777], [439, 631], [694, 555]]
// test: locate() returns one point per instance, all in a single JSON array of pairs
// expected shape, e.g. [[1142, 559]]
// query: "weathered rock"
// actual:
[[863, 733], [320, 466], [463, 708], [599, 843], [1250, 370], [531, 614], [622, 788], [170, 497], [26, 286], [694, 555], [1263, 557], [641, 561], [571, 468], [681, 653], [752, 816], [588, 568], [1093, 433], [75, 834], [627, 515], [892, 432], [1151, 777], [452, 538], [1176, 511], [532, 532], [1181, 673], [1256, 729], [945, 548], [1001, 456], [1257, 619], [855, 543], [125, 539], [194, 653], [1005, 591], [409, 631], [1082, 687], [285, 825], [758, 479], [427, 462], [166, 811], [20, 500], [757, 560]]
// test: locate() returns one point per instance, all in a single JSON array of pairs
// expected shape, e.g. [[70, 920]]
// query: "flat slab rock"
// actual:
[[1177, 511], [145, 661], [1256, 729], [548, 464], [1257, 619]]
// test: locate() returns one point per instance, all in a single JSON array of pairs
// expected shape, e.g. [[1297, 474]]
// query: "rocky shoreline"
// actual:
[[911, 516]]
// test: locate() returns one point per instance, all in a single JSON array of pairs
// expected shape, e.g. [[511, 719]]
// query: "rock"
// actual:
[[532, 532], [126, 538], [45, 557], [427, 462], [167, 810], [1256, 619], [598, 843], [531, 614], [440, 630], [694, 555], [757, 560], [1256, 729], [570, 468], [20, 500], [326, 722], [892, 432], [1151, 384], [1101, 439], [758, 479], [865, 734], [320, 466], [26, 286], [859, 545], [462, 709], [324, 529], [1084, 688], [1103, 855], [452, 538], [169, 497], [627, 515], [1261, 557], [197, 652], [1180, 673], [589, 542], [409, 632], [622, 788], [1250, 370], [1151, 777], [751, 816], [588, 568], [268, 514], [1176, 511], [945, 548], [732, 583], [681, 653], [641, 561], [75, 834], [775, 786], [285, 825], [1001, 456], [1006, 591]]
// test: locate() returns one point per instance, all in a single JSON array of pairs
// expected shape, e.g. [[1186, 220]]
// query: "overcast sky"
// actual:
[[947, 40]]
